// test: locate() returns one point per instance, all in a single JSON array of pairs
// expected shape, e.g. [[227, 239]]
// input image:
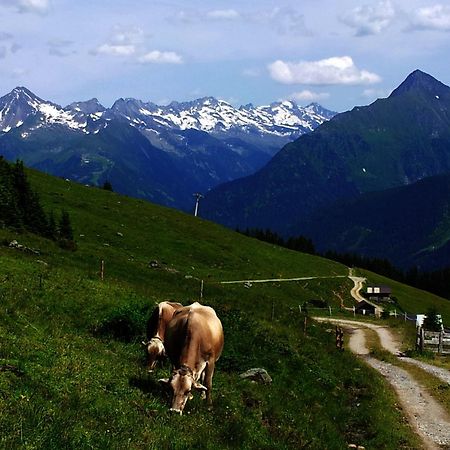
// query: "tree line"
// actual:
[[436, 281], [20, 207]]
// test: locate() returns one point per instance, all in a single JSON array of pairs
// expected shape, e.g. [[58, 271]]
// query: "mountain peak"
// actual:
[[419, 81], [87, 106], [21, 92]]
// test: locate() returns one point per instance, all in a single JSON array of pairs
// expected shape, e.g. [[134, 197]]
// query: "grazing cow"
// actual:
[[194, 342], [156, 330]]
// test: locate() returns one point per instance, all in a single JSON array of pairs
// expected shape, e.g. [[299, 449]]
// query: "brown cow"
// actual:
[[194, 342], [156, 330]]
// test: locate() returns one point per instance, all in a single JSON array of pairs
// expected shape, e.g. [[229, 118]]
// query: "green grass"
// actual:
[[76, 339]]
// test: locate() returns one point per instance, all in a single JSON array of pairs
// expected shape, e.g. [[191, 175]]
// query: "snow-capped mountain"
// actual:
[[282, 119], [163, 153], [21, 104]]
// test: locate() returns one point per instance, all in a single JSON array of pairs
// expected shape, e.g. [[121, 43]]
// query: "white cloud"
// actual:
[[375, 93], [123, 41], [370, 19], [24, 6], [223, 14], [115, 50], [436, 17], [285, 20], [308, 96], [335, 70], [127, 35], [159, 57]]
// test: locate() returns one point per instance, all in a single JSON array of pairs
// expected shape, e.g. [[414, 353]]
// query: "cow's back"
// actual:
[[192, 328]]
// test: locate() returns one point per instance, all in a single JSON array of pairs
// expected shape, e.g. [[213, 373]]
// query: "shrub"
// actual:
[[125, 323]]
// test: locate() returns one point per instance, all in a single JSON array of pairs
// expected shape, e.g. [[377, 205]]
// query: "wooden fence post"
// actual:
[[422, 338], [405, 317], [300, 308], [354, 311], [201, 290], [441, 342], [102, 270], [330, 310], [339, 338]]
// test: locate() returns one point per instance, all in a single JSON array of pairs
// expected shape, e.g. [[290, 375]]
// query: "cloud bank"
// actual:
[[25, 6], [331, 71], [158, 57], [436, 17], [370, 19]]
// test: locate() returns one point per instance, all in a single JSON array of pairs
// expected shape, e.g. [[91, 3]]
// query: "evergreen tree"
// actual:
[[107, 186], [432, 321], [52, 230], [28, 204], [65, 226], [9, 213]]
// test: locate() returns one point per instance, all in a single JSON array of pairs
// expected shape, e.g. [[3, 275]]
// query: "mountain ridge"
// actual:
[[393, 142], [186, 147]]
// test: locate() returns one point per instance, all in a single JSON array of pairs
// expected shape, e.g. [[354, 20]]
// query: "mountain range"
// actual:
[[160, 153], [319, 185]]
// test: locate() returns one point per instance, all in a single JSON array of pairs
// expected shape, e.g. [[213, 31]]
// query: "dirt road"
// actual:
[[427, 417]]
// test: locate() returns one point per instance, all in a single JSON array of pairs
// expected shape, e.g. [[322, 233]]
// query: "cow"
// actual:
[[194, 342], [156, 330]]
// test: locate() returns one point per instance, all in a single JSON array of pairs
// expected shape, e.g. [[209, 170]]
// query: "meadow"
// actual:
[[74, 339]]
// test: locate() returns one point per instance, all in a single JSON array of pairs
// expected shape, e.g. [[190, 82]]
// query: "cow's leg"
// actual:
[[208, 381], [202, 381]]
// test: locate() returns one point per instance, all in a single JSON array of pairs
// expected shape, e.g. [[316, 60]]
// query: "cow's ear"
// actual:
[[164, 380], [200, 387]]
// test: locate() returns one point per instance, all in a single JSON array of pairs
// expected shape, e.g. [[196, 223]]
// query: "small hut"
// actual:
[[379, 293], [365, 307]]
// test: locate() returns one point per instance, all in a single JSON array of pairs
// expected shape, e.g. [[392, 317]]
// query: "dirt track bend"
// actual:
[[426, 415]]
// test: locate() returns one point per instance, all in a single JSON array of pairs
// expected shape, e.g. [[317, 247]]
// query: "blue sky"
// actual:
[[339, 53]]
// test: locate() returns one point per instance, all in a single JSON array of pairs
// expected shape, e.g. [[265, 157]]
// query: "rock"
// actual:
[[119, 234], [257, 374], [154, 264]]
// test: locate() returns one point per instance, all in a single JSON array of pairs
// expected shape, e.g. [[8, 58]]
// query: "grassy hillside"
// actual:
[[75, 339], [411, 300]]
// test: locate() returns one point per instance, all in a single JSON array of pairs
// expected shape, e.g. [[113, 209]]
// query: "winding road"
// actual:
[[427, 417]]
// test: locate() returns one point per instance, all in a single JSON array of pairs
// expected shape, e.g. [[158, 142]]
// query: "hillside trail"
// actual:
[[426, 416]]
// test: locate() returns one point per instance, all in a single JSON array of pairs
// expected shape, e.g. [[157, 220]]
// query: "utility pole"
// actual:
[[197, 196]]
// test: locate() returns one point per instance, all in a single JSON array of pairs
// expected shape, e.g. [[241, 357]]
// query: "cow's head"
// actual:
[[182, 383], [155, 351]]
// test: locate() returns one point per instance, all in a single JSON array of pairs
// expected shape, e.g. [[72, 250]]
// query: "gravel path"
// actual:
[[424, 413], [438, 372]]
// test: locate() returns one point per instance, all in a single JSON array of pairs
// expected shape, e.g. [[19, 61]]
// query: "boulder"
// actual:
[[258, 375]]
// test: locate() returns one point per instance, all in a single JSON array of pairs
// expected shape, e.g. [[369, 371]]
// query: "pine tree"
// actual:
[[28, 204], [65, 226], [432, 322], [9, 213], [107, 186], [52, 230]]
